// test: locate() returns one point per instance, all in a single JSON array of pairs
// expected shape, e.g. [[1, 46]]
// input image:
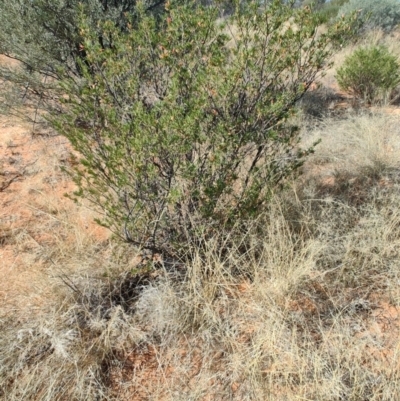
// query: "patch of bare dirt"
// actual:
[[33, 209]]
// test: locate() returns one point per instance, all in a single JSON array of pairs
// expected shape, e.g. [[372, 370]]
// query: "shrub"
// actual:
[[182, 124], [370, 73], [384, 14]]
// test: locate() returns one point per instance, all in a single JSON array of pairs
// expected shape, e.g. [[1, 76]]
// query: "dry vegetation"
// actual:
[[304, 307]]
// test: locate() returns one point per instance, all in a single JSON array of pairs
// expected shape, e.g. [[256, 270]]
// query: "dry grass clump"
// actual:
[[293, 311], [45, 241], [360, 144], [290, 318], [58, 354], [56, 350]]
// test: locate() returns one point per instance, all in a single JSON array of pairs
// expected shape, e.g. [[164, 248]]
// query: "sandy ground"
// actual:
[[35, 216]]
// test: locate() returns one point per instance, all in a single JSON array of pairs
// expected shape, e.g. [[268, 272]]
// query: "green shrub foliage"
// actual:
[[370, 74], [384, 14], [179, 116], [181, 123], [43, 35]]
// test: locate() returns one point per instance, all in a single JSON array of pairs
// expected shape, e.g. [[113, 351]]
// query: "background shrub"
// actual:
[[384, 14], [327, 11], [370, 73]]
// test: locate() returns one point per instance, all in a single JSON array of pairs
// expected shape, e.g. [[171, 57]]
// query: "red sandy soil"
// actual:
[[33, 207]]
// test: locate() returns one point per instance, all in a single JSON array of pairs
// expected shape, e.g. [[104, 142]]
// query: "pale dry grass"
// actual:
[[56, 326], [293, 311], [289, 318], [368, 140], [308, 311]]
